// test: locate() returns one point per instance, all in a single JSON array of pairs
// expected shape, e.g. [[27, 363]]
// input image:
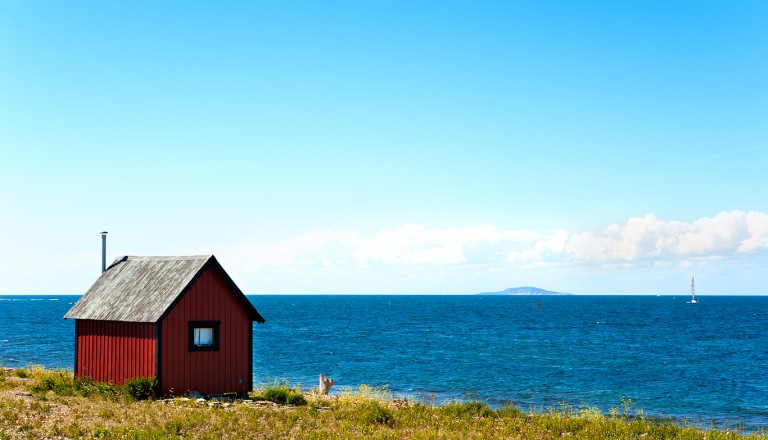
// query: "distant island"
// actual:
[[524, 291]]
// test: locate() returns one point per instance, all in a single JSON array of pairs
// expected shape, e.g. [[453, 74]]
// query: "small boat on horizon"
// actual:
[[693, 296]]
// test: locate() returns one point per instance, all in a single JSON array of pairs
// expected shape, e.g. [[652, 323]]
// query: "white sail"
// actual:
[[693, 295]]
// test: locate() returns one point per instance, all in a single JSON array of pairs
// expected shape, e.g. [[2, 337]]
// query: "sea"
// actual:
[[705, 364]]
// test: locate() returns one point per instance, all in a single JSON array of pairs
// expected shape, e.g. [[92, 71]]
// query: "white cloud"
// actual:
[[727, 233], [757, 233], [641, 238], [418, 259]]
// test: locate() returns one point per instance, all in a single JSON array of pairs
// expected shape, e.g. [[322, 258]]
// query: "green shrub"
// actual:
[[88, 387], [296, 399], [141, 388], [374, 414], [467, 409], [277, 395], [21, 373], [284, 396], [511, 411], [63, 384], [55, 381]]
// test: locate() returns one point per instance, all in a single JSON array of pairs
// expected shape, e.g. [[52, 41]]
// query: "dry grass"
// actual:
[[27, 412]]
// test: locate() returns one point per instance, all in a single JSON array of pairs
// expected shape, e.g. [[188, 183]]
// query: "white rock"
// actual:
[[325, 384]]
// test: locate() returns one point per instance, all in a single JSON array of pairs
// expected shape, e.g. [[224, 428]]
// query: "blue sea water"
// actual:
[[698, 362]]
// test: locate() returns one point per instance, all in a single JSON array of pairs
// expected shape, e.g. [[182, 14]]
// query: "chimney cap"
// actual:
[[103, 232]]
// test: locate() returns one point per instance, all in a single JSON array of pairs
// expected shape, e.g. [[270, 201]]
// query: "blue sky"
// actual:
[[389, 147]]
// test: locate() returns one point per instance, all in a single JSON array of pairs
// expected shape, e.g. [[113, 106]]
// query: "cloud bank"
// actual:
[[727, 234], [643, 255]]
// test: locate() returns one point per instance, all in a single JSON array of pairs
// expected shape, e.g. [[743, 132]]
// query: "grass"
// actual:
[[50, 404], [61, 382]]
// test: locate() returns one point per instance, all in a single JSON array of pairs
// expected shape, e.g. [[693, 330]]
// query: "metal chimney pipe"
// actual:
[[104, 251]]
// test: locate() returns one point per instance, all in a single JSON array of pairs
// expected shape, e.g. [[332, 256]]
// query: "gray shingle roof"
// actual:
[[142, 289]]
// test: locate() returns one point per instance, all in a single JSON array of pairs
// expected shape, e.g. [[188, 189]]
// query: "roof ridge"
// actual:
[[166, 257], [125, 258], [177, 257]]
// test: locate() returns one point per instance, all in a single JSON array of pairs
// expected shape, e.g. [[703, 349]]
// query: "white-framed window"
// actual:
[[204, 335]]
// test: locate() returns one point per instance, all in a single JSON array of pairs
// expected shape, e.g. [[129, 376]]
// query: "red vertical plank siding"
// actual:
[[114, 351], [207, 372]]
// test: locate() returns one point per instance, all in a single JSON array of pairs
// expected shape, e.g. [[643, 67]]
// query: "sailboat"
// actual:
[[693, 296]]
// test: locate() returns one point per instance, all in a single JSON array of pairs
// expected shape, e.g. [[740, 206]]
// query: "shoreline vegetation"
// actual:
[[40, 403]]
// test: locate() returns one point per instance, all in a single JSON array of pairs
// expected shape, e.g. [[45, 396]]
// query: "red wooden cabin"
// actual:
[[180, 319]]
